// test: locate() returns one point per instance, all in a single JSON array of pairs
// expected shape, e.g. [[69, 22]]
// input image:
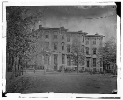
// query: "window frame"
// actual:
[[63, 58], [46, 36], [87, 50], [94, 62], [55, 58], [46, 45], [88, 63], [68, 48], [62, 45], [55, 45], [94, 42], [94, 51], [55, 36], [62, 37], [101, 62], [68, 60]]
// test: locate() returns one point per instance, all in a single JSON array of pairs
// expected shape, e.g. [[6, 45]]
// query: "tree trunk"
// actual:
[[77, 68], [14, 68], [77, 64], [44, 70]]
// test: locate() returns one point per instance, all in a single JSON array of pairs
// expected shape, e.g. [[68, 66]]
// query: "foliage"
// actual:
[[19, 35], [77, 52], [108, 52]]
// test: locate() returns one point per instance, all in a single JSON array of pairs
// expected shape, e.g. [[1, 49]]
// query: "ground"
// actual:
[[39, 82]]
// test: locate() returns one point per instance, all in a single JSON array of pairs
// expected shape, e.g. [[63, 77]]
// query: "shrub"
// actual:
[[81, 71], [68, 69], [61, 68]]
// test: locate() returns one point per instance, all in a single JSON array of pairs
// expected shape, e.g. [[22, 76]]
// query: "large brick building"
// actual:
[[57, 45]]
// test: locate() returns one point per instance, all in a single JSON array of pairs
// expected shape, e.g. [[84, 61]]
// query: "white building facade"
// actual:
[[57, 45]]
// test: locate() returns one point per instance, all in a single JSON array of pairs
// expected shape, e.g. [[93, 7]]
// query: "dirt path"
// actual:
[[63, 83]]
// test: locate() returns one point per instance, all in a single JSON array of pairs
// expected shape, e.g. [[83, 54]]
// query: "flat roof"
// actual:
[[78, 33], [94, 36], [48, 28]]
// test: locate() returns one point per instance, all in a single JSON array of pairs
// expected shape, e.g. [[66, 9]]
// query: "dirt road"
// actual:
[[63, 83]]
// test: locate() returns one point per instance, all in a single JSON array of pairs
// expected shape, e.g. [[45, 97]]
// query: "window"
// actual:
[[63, 58], [94, 42], [68, 60], [55, 45], [46, 45], [62, 45], [94, 62], [62, 37], [46, 36], [87, 63], [55, 58], [68, 48], [87, 42], [55, 36], [94, 50], [83, 38], [68, 39], [87, 50], [100, 62]]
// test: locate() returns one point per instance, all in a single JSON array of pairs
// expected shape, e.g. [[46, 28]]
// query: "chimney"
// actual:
[[40, 26], [80, 31], [96, 34], [62, 27]]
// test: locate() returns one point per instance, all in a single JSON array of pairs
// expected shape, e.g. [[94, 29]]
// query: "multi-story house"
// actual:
[[93, 60], [57, 47]]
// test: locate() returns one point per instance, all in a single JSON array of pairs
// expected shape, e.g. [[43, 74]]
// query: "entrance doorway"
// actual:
[[55, 61], [87, 63]]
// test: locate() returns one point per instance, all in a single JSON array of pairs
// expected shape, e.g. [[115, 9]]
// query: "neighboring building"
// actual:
[[92, 44], [111, 68], [57, 45]]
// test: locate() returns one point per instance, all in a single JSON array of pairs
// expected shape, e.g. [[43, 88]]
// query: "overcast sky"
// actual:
[[90, 19]]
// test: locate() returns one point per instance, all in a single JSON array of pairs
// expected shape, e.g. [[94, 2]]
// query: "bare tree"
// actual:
[[77, 52]]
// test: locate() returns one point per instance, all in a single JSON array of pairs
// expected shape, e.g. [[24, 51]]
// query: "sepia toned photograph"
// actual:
[[61, 49]]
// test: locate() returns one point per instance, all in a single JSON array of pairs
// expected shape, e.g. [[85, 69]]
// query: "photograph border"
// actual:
[[32, 3]]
